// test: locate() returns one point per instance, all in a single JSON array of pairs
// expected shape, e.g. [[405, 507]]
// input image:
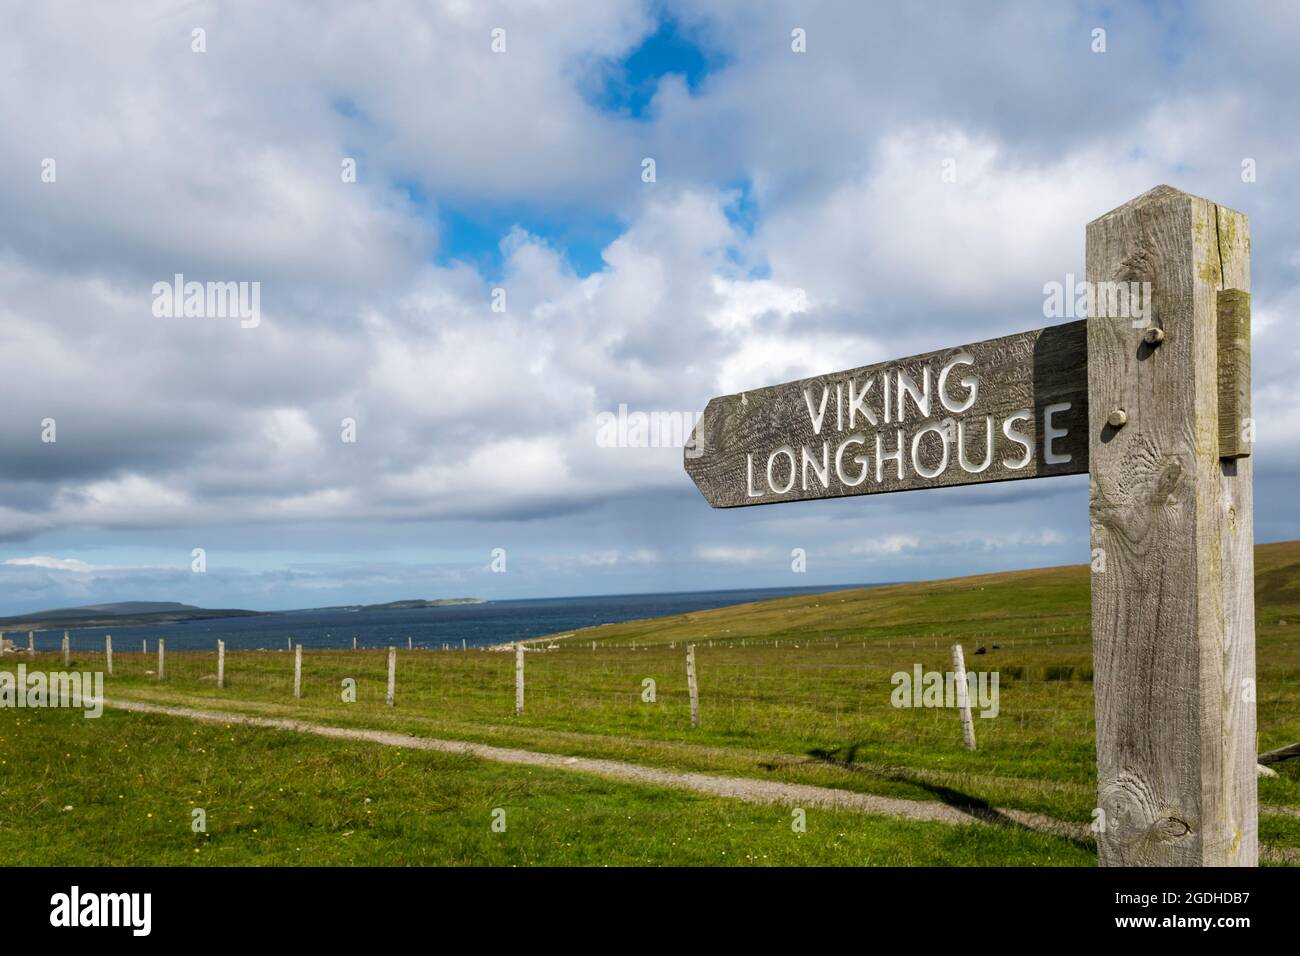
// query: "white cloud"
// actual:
[[75, 565]]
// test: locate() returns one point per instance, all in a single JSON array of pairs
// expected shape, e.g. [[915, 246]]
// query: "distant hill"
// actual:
[[119, 613]]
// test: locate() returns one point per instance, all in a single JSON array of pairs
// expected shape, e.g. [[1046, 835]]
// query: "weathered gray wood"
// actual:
[[810, 438], [67, 651], [963, 697], [1281, 753], [31, 644], [297, 671], [1234, 372], [519, 680], [221, 664], [1172, 533], [692, 686], [391, 699], [162, 659], [354, 643], [108, 654]]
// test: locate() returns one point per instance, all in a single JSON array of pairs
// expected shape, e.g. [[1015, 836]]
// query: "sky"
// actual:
[[499, 272]]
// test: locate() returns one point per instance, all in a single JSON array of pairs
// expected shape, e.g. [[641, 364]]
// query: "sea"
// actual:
[[492, 622]]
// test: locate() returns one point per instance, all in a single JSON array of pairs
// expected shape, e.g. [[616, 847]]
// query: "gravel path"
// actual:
[[737, 788]]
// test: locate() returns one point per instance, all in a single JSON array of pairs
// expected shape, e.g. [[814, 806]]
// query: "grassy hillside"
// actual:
[[1036, 603]]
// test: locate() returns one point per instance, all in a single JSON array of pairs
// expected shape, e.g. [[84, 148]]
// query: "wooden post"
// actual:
[[288, 643], [31, 644], [221, 664], [519, 680], [1171, 508], [162, 659], [392, 676], [297, 672], [67, 651], [144, 646], [692, 686], [408, 644], [108, 654], [963, 696], [354, 643]]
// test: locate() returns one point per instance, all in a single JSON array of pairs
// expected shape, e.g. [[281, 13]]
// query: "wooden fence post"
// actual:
[[692, 686], [108, 654], [1171, 509], [162, 659], [31, 644], [221, 664], [519, 680], [297, 671], [392, 676], [963, 696], [410, 648], [354, 643], [67, 651]]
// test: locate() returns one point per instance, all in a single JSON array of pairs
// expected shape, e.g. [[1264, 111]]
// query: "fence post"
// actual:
[[67, 651], [31, 644], [297, 671], [221, 664], [354, 643], [108, 654], [1172, 516], [392, 676], [519, 680], [692, 686], [963, 696], [162, 659]]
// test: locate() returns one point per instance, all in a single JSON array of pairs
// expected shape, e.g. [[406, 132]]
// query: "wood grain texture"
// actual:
[[1172, 597], [1233, 312], [740, 436]]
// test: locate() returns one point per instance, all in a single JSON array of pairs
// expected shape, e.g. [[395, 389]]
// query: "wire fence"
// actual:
[[1027, 692]]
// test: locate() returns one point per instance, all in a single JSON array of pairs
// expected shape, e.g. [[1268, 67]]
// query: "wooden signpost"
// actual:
[[1150, 396]]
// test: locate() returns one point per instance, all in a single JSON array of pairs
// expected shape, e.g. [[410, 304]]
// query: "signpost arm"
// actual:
[[1173, 540]]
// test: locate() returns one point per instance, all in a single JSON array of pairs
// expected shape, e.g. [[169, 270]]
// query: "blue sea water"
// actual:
[[494, 622]]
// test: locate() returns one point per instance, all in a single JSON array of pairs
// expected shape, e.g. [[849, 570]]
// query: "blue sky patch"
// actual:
[[630, 83]]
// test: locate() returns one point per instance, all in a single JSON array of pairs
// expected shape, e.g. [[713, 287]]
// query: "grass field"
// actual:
[[793, 690], [121, 791]]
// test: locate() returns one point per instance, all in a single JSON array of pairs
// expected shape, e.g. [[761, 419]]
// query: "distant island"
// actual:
[[403, 605], [119, 613]]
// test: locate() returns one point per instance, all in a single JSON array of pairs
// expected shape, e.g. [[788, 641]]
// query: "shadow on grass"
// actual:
[[845, 758]]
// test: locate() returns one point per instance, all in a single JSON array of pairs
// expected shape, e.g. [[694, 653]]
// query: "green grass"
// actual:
[[121, 791], [794, 690]]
